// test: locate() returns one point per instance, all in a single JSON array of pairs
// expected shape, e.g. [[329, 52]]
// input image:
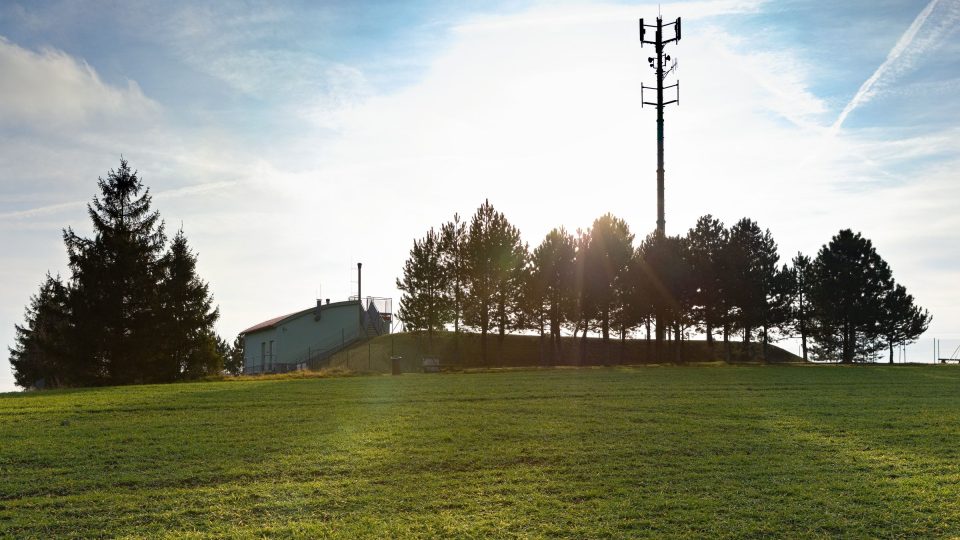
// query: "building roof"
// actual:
[[274, 322]]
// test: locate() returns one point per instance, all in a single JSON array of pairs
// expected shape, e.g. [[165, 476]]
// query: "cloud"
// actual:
[[49, 89]]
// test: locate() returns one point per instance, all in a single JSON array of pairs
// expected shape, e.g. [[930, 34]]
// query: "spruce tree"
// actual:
[[40, 356], [115, 299], [189, 345], [233, 361]]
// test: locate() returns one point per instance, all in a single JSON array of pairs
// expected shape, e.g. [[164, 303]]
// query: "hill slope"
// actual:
[[741, 451], [528, 351]]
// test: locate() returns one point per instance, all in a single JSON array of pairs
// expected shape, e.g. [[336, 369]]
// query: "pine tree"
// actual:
[[848, 281], [666, 265], [189, 346], [901, 321], [494, 261], [426, 303], [553, 273], [800, 313], [40, 356], [754, 273], [607, 255], [707, 240], [453, 245], [115, 300]]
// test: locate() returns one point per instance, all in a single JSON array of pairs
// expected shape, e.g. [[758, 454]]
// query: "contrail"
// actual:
[[160, 195], [902, 44]]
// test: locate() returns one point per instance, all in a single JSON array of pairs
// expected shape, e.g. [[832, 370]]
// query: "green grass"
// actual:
[[794, 451]]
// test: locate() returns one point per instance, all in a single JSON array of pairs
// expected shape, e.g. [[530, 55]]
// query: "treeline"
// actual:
[[724, 283], [133, 310]]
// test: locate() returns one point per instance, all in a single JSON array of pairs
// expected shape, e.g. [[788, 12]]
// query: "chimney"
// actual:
[[316, 312], [328, 301], [359, 289]]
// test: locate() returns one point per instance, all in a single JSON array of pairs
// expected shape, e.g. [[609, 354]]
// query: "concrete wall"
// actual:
[[291, 340]]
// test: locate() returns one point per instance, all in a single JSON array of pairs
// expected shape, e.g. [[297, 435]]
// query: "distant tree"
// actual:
[[114, 300], [754, 265], [800, 312], [777, 321], [666, 264], [901, 321], [189, 348], [233, 360], [40, 355], [607, 254], [426, 303], [453, 246], [494, 261], [707, 240], [531, 306], [580, 310], [848, 281], [639, 306], [553, 280]]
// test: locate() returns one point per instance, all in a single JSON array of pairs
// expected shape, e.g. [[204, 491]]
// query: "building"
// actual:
[[308, 338]]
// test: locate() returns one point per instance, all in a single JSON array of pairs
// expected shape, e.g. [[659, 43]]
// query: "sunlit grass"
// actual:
[[599, 452]]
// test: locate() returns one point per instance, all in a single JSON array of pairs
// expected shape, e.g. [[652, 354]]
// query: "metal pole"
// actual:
[[661, 222]]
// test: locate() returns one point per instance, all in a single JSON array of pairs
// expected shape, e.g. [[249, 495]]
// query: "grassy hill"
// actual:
[[718, 451], [529, 351]]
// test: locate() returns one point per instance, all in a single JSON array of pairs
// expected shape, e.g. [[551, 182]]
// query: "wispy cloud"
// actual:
[[903, 55]]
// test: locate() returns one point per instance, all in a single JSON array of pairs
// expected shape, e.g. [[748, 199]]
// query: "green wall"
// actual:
[[301, 334]]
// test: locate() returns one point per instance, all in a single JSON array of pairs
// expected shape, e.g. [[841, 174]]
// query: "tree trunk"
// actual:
[[660, 335], [430, 340], [763, 352], [542, 351], [803, 341], [583, 346], [677, 344], [623, 343], [554, 333], [646, 323], [847, 349], [605, 331], [726, 341], [484, 328]]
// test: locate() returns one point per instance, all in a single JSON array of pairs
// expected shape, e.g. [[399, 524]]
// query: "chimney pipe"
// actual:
[[359, 290]]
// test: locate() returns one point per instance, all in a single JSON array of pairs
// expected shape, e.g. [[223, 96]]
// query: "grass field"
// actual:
[[581, 453]]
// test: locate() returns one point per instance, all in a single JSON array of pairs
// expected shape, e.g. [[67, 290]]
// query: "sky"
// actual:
[[291, 140]]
